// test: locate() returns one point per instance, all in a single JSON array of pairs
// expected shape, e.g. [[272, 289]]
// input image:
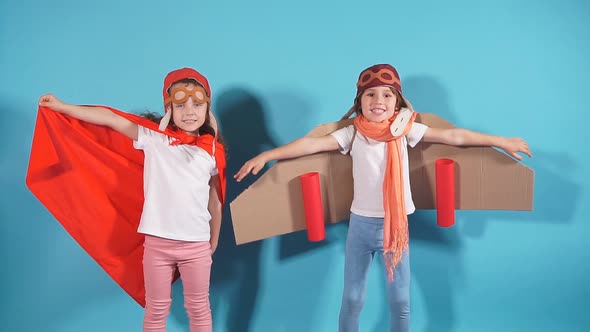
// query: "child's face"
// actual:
[[190, 115], [378, 103]]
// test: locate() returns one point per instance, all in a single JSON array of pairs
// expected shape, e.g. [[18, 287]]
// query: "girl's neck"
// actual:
[[191, 133]]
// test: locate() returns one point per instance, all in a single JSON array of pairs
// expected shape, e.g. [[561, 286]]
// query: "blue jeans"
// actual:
[[365, 238]]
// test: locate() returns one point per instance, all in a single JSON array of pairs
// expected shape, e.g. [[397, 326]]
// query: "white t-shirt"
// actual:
[[368, 168], [176, 188]]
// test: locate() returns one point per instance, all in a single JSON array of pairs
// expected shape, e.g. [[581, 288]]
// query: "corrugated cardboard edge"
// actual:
[[485, 179]]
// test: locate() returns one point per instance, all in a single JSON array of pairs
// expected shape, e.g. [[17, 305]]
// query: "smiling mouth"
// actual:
[[378, 111]]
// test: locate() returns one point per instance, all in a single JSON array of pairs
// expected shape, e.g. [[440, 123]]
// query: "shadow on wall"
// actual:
[[302, 265], [235, 273], [295, 113], [441, 249]]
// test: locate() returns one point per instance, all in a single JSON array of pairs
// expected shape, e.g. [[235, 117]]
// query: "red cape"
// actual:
[[91, 179]]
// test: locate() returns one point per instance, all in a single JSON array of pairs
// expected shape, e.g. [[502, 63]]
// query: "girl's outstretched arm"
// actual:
[[300, 147], [215, 210], [464, 137], [95, 115]]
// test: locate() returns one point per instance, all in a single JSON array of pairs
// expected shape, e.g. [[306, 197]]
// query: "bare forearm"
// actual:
[[463, 137], [215, 208], [466, 137], [299, 147], [101, 116], [95, 115], [215, 225]]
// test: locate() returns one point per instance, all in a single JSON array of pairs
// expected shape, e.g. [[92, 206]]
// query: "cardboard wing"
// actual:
[[485, 179]]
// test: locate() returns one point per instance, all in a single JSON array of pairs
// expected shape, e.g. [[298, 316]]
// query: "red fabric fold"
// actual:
[[91, 180]]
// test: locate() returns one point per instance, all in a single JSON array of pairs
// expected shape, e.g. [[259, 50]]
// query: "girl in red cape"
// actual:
[[143, 198]]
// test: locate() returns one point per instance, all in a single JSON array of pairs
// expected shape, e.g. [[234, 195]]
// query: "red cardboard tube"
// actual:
[[312, 204], [445, 192]]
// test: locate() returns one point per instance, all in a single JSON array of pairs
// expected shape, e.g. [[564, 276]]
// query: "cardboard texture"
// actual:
[[486, 179]]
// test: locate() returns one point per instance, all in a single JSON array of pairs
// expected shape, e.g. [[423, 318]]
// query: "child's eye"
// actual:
[[370, 94], [179, 105], [198, 104]]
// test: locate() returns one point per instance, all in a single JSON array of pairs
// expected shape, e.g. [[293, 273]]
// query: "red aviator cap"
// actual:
[[181, 74], [178, 75], [377, 75]]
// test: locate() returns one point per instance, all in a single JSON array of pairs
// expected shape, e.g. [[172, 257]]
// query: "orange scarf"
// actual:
[[395, 227]]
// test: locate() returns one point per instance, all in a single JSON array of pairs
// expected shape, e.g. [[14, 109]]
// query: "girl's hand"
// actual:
[[51, 101], [514, 145], [213, 246], [253, 166]]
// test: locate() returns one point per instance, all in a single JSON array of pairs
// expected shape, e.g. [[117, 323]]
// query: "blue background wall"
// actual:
[[514, 68]]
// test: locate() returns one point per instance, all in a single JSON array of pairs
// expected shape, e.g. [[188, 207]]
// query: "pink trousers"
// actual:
[[161, 257]]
